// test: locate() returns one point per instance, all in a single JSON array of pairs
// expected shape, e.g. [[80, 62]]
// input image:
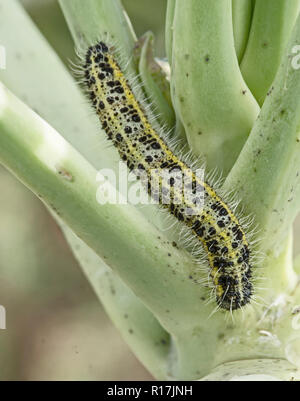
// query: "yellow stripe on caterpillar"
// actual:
[[127, 125]]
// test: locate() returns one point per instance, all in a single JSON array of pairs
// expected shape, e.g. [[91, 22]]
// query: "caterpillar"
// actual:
[[215, 226]]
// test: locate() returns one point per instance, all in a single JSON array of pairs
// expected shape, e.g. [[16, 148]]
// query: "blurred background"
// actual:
[[56, 327]]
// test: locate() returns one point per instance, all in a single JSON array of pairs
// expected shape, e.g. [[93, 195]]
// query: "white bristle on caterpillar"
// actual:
[[215, 228]]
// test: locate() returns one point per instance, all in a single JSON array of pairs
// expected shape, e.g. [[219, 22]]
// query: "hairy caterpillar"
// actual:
[[127, 125]]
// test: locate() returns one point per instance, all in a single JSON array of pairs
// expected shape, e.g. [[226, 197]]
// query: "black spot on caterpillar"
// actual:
[[127, 125]]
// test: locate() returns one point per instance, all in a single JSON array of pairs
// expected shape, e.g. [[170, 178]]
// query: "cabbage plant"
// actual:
[[229, 90]]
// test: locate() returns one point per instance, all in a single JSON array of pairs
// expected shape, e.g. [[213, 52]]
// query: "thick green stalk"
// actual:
[[179, 129], [209, 94], [277, 270], [241, 16], [169, 29], [255, 370], [92, 19], [271, 27], [266, 174]]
